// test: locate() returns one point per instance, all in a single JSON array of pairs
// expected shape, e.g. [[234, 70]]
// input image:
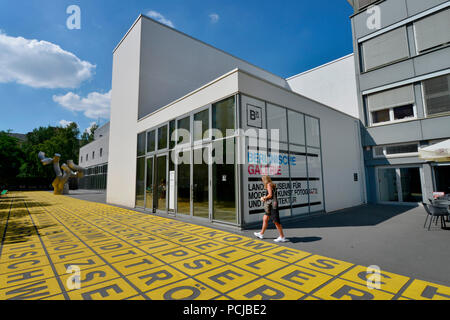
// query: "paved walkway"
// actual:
[[124, 254]]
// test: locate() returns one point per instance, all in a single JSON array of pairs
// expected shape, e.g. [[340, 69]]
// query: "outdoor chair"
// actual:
[[437, 212]]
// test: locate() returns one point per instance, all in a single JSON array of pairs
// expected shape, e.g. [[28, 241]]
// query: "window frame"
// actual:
[[437, 47], [208, 130], [424, 101], [391, 116], [397, 155], [365, 69]]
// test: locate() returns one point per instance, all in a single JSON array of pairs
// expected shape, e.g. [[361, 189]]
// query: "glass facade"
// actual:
[[223, 115], [180, 178], [294, 163], [199, 177], [95, 178]]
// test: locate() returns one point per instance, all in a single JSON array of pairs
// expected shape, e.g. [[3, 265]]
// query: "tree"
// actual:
[[50, 140], [11, 157], [88, 135]]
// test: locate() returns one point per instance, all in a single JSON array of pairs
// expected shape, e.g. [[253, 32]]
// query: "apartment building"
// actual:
[[94, 158], [402, 58]]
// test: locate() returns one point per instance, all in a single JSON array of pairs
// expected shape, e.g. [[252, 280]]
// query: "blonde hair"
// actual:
[[267, 180]]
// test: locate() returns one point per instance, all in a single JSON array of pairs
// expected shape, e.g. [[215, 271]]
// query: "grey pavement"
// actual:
[[389, 236]]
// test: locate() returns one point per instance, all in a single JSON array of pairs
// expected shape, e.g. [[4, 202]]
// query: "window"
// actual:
[[93, 155], [400, 149], [364, 3], [184, 127], [141, 144], [201, 124], [87, 157], [381, 116], [404, 112], [151, 141], [101, 152], [433, 31], [437, 94], [140, 182], [172, 139], [81, 159], [378, 152], [162, 138], [276, 120], [391, 151], [312, 132], [387, 48], [296, 127], [223, 115], [392, 105]]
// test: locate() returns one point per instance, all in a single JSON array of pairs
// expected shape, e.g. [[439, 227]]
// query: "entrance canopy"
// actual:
[[439, 152]]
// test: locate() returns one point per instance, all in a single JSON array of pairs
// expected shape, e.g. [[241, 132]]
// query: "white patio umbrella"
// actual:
[[439, 152]]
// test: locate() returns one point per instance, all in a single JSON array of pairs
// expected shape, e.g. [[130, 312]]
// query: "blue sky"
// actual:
[[65, 75]]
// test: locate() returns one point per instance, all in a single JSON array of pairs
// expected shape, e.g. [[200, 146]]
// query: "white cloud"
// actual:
[[65, 123], [95, 105], [88, 130], [214, 17], [40, 64], [159, 17]]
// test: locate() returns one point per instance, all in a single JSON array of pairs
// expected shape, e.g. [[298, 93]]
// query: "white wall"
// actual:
[[124, 106], [333, 84], [174, 64], [341, 148], [210, 93], [95, 146]]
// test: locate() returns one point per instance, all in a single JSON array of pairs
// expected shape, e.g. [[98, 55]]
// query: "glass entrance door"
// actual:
[[224, 184], [149, 189], [201, 183], [400, 185], [160, 190], [442, 179], [184, 183], [387, 183]]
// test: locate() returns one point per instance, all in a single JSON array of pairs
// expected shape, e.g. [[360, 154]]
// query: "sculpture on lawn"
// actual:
[[71, 170]]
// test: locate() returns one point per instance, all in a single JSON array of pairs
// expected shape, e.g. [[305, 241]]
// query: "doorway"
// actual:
[[201, 183], [442, 178], [156, 183], [400, 185]]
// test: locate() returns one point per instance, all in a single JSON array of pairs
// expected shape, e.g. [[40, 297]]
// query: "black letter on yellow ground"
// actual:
[[225, 275], [263, 293], [194, 293], [29, 291], [352, 293], [103, 292], [165, 275], [430, 292]]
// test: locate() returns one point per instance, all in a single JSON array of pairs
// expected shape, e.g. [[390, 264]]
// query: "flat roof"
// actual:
[[321, 66], [237, 70], [195, 39]]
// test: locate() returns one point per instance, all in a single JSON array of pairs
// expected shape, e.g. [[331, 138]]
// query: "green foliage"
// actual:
[[87, 137], [10, 157], [50, 140]]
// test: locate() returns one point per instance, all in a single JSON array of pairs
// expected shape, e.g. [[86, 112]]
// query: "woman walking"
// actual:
[[271, 210]]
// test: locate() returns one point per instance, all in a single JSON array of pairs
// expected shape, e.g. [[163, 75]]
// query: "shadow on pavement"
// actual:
[[371, 215], [303, 239]]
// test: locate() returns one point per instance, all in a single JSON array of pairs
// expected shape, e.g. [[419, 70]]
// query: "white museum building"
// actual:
[[166, 83]]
